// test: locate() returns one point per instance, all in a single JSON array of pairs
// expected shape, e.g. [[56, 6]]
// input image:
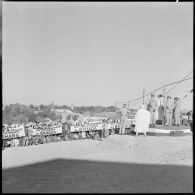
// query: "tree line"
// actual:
[[20, 113], [94, 109]]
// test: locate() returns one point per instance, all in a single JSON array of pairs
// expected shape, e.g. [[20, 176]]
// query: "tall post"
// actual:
[[143, 95], [164, 102], [164, 95]]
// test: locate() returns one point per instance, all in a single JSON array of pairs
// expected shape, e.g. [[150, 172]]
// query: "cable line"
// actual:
[[178, 83], [145, 95]]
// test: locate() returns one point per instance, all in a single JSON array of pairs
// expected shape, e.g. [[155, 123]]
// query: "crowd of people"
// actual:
[[169, 113], [154, 113], [157, 112], [30, 139]]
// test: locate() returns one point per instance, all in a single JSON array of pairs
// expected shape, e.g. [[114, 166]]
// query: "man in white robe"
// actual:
[[142, 120]]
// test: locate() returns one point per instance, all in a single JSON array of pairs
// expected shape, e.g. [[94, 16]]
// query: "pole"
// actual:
[[164, 95], [143, 95], [164, 102]]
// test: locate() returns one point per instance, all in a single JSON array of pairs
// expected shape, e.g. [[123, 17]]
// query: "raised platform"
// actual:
[[164, 127], [162, 130]]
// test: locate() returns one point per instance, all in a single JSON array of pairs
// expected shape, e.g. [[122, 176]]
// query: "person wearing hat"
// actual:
[[168, 111], [124, 113], [177, 111], [153, 105]]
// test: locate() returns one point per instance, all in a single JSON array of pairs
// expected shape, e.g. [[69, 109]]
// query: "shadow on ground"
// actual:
[[81, 176]]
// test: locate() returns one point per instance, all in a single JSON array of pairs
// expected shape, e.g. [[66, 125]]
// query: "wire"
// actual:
[[178, 83], [145, 95], [140, 97]]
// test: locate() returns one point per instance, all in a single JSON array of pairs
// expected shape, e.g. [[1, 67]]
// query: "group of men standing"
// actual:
[[168, 114], [162, 113]]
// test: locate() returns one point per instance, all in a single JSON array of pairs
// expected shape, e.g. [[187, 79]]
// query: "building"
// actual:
[[61, 111]]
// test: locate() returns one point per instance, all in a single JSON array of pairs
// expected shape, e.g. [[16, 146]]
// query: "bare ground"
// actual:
[[116, 164]]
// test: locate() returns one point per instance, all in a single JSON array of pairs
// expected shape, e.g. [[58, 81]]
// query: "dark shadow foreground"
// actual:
[[81, 176]]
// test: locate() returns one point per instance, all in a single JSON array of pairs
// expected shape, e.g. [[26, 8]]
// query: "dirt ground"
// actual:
[[118, 163]]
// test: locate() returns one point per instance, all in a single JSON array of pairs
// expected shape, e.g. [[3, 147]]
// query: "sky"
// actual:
[[94, 53]]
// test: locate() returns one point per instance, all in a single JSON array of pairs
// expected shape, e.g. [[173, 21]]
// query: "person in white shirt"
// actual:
[[142, 120]]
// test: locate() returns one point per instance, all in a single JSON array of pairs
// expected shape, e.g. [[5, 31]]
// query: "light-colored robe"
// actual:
[[142, 121]]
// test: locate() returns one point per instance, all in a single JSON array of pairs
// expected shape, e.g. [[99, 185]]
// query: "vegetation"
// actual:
[[19, 113], [75, 117], [94, 109]]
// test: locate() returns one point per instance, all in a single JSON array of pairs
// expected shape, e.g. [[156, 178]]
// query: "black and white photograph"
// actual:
[[97, 97]]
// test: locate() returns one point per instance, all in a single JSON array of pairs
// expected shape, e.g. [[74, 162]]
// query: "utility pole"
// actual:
[[164, 101], [143, 95], [164, 95]]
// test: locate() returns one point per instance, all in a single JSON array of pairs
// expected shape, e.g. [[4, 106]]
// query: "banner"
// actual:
[[47, 131], [86, 127], [13, 132], [94, 120], [88, 124]]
